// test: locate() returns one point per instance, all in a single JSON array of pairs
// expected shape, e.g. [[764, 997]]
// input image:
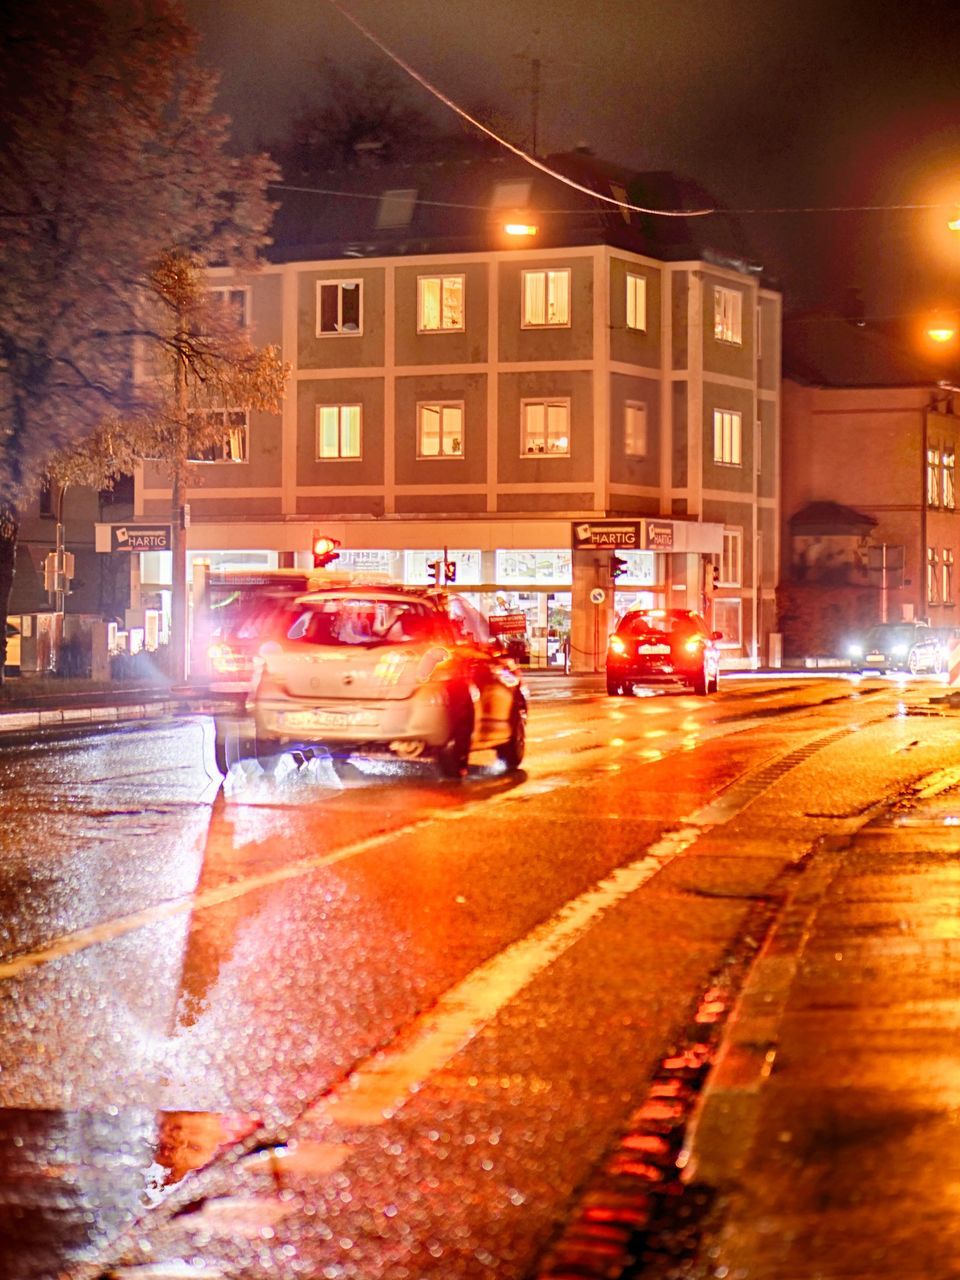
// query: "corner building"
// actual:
[[591, 383]]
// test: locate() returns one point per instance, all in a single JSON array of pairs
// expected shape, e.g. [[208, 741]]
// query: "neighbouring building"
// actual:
[[868, 499], [489, 361]]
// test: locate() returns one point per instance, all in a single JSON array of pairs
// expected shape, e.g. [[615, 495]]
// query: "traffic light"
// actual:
[[711, 579], [435, 568], [450, 570], [618, 566], [324, 549]]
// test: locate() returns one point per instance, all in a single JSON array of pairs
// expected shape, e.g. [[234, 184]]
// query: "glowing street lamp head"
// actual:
[[941, 333], [520, 229]]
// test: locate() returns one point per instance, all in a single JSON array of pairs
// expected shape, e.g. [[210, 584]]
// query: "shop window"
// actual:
[[727, 616]]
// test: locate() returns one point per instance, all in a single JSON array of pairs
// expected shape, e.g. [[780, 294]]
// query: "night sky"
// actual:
[[768, 104]]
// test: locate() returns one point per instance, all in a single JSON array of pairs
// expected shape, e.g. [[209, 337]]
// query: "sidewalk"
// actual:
[[829, 1128]]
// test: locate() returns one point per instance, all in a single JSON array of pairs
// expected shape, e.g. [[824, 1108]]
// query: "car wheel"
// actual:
[[453, 757], [938, 663], [700, 682], [511, 751], [913, 662], [614, 687], [714, 685], [232, 746]]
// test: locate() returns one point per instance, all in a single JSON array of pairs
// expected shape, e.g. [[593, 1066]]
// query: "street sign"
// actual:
[[597, 595], [140, 537]]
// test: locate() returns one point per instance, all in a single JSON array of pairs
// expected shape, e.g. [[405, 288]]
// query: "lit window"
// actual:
[[635, 429], [946, 565], [636, 301], [730, 560], [233, 300], [546, 426], [948, 492], [439, 303], [933, 477], [222, 435], [396, 208], [338, 431], [339, 307], [440, 430], [727, 431], [546, 298], [727, 315]]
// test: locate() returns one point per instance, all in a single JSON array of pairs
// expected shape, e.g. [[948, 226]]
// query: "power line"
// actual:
[[517, 151]]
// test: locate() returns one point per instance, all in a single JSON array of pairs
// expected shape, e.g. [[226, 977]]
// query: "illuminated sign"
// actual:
[[632, 535], [140, 537]]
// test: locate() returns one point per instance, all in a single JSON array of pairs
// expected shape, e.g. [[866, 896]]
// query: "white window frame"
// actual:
[[948, 478], [441, 327], [728, 315], [636, 302], [342, 428], [933, 476], [933, 576], [728, 437], [550, 275], [546, 403], [243, 427], [440, 406], [339, 331], [946, 571], [731, 559], [637, 410], [242, 291]]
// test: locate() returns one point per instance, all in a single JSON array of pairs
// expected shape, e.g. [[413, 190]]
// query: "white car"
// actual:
[[406, 673]]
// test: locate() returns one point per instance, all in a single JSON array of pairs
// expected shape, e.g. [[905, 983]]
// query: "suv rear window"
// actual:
[[637, 624]]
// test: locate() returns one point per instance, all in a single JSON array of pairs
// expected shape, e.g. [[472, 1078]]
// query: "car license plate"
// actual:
[[653, 648], [875, 657], [328, 719]]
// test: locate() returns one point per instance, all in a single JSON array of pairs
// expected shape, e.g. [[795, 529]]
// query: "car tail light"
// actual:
[[694, 644], [617, 645]]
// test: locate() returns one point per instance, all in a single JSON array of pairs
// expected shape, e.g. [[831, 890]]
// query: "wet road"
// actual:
[[421, 1011]]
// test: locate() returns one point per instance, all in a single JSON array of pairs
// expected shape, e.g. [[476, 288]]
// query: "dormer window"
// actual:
[[396, 208]]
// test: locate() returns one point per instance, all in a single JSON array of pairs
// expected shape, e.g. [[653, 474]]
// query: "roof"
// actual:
[[825, 350], [457, 204], [830, 518]]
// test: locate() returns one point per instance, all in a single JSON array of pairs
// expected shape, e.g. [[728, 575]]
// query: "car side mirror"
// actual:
[[716, 635]]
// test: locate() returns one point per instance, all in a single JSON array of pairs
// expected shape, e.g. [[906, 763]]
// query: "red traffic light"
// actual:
[[324, 550]]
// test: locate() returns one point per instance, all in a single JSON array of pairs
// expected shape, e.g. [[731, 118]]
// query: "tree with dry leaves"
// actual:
[[113, 165]]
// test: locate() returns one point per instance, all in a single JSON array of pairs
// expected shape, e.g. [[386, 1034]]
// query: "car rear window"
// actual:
[[366, 623], [645, 624]]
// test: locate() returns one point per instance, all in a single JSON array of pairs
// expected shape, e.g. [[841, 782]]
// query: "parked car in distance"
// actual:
[[663, 647], [899, 646], [381, 671]]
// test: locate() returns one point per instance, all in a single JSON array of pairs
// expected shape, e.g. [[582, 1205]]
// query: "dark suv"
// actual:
[[663, 647], [899, 646]]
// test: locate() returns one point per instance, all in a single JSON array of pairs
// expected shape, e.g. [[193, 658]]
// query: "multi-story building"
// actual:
[[871, 530], [489, 361]]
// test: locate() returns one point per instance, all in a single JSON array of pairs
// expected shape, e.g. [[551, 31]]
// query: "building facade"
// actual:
[[533, 405]]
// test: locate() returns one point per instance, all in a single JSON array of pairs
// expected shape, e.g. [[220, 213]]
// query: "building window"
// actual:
[[440, 430], [396, 207], [338, 431], [933, 477], [339, 307], [232, 299], [546, 298], [933, 576], [948, 492], [230, 444], [730, 561], [726, 620], [439, 303], [727, 315], [546, 426], [511, 195], [727, 434], [946, 566], [635, 429], [636, 301]]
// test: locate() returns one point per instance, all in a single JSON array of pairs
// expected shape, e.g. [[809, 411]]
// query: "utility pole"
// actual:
[[178, 579]]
